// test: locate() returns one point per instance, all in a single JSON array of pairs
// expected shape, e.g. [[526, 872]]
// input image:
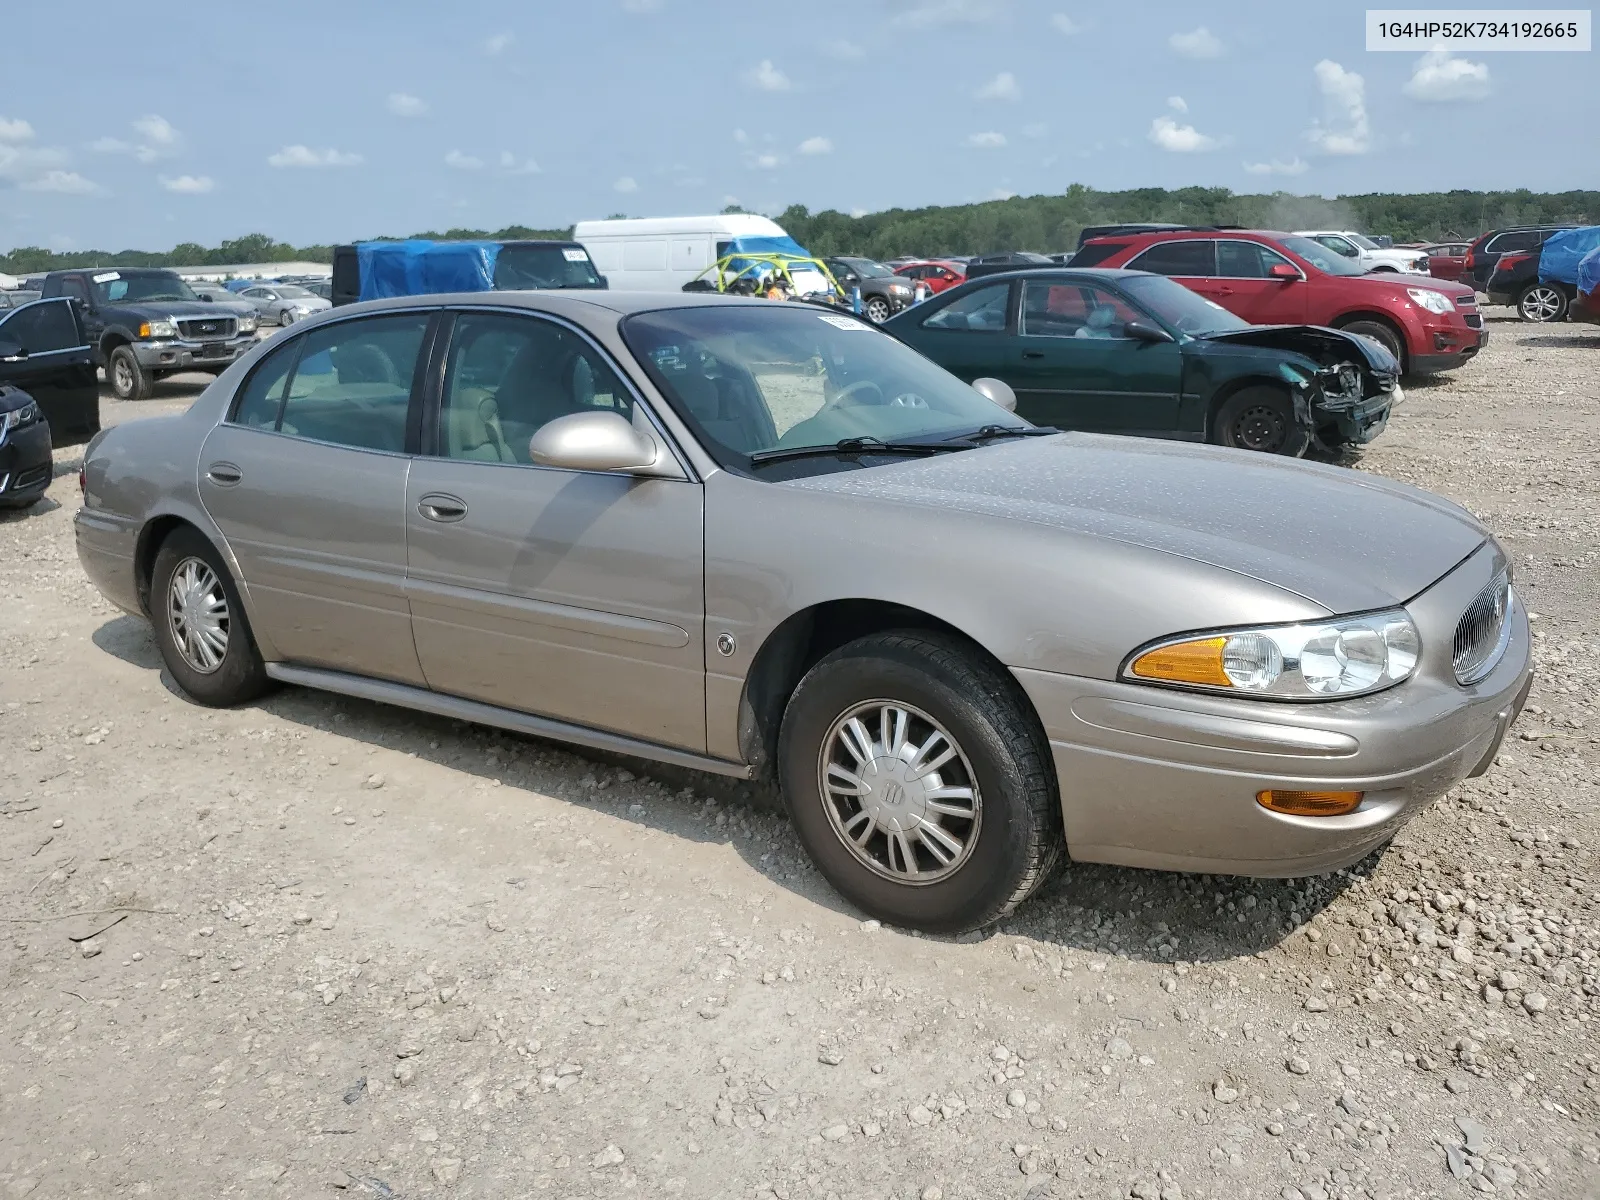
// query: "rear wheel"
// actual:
[[919, 782], [1260, 419], [129, 380], [1542, 302], [200, 626]]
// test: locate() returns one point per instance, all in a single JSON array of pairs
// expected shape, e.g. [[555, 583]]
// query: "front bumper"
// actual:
[[26, 467], [177, 354], [1449, 346], [1357, 424], [1159, 778]]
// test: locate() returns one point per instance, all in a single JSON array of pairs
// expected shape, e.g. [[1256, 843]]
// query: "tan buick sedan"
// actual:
[[769, 540]]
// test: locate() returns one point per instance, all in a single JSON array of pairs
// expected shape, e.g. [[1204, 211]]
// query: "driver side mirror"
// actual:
[[206, 296], [997, 391], [1283, 271], [592, 441], [11, 352], [1143, 331]]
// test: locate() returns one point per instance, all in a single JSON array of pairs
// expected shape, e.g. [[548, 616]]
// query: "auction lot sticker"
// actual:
[[1417, 30]]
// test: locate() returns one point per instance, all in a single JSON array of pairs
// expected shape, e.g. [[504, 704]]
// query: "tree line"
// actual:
[[1043, 223]]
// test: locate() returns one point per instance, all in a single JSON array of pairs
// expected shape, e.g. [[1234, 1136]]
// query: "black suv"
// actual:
[[1484, 253], [48, 394], [1515, 281], [883, 293]]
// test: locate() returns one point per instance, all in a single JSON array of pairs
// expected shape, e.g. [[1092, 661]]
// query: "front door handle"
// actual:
[[442, 507], [224, 474], [1033, 354]]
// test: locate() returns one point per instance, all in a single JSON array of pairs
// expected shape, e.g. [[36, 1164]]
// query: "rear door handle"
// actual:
[[1033, 354], [442, 507], [224, 474]]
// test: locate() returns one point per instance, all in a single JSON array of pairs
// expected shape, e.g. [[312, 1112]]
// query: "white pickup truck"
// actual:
[[1367, 252]]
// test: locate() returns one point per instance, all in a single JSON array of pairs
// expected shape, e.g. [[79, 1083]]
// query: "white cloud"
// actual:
[[1439, 78], [767, 77], [462, 162], [816, 145], [189, 185], [304, 156], [157, 139], [1001, 194], [625, 185], [67, 183], [1295, 166], [740, 136], [1177, 104], [15, 131], [1180, 139], [1035, 130], [986, 141], [110, 145], [25, 165], [497, 43], [1065, 25], [1197, 43], [510, 165], [156, 130], [929, 14], [844, 49], [767, 162], [643, 6], [1002, 87], [1344, 128], [401, 104]]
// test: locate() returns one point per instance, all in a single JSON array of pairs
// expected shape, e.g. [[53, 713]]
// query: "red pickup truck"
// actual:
[[1271, 278]]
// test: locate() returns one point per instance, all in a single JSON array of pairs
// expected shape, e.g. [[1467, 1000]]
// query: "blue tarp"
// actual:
[[762, 245], [419, 267], [1589, 272], [1558, 261]]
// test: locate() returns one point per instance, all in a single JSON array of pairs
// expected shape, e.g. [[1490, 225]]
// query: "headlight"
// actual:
[[247, 324], [900, 288], [158, 329], [17, 418], [1321, 660], [1432, 301]]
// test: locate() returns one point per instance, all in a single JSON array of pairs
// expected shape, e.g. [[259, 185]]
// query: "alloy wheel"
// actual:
[[877, 310], [121, 378], [197, 614], [900, 793], [1540, 304]]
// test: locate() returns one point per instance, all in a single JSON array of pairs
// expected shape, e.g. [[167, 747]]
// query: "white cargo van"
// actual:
[[661, 254]]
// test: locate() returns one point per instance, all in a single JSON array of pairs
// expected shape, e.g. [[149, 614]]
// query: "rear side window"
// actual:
[[262, 396], [980, 311], [43, 327], [1096, 253], [1195, 256], [352, 385], [1521, 239]]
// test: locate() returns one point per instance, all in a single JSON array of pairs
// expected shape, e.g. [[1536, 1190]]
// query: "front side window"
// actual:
[[1248, 260], [1320, 257], [508, 376], [980, 311], [756, 378], [44, 327], [351, 384], [1074, 310], [1193, 256]]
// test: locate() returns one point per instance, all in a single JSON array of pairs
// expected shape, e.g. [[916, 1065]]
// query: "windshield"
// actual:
[[291, 291], [1321, 257], [1365, 243], [1183, 310], [779, 376], [113, 287], [865, 266], [524, 268]]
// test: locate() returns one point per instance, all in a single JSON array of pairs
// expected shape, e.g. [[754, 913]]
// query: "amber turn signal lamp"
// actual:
[[1310, 804], [1184, 662]]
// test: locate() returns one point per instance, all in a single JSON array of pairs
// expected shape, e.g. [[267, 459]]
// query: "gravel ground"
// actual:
[[318, 947]]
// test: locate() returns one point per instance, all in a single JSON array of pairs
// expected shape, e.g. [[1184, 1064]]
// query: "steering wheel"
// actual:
[[908, 400], [844, 398]]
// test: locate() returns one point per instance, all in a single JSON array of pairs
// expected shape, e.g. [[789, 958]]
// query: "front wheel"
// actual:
[[1383, 335], [1542, 302], [286, 317], [1260, 419], [877, 309], [200, 626], [920, 782], [129, 380]]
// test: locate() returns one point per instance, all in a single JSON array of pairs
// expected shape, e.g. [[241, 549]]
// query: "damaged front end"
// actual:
[[1344, 385]]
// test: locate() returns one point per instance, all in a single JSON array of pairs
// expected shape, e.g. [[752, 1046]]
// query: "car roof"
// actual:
[[1112, 274], [622, 303], [1183, 235]]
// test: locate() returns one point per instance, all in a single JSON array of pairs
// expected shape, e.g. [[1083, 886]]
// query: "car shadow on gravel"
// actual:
[[1109, 911], [1580, 342]]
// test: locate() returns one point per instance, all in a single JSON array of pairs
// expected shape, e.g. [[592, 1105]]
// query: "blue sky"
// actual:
[[324, 121]]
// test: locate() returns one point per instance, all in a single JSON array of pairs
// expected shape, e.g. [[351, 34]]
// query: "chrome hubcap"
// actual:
[[1541, 304], [197, 613], [123, 377], [900, 793]]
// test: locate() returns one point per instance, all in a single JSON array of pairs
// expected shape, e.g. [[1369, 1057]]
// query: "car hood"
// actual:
[[166, 308], [1397, 284], [1316, 342], [1339, 538]]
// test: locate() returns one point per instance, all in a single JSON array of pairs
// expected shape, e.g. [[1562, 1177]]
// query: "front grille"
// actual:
[[1467, 301], [1483, 632], [1473, 320], [205, 329]]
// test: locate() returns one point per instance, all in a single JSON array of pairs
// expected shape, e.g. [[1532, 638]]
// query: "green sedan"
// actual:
[[1134, 353]]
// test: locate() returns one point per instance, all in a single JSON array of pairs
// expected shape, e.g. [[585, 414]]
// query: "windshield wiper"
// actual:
[[851, 446], [987, 433]]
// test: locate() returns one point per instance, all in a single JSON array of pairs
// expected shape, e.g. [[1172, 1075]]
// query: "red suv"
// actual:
[[1279, 279], [935, 274]]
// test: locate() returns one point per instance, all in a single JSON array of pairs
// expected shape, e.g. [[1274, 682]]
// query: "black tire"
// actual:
[[240, 676], [1260, 418], [876, 309], [1384, 335], [128, 380], [286, 317], [1542, 302], [1016, 840]]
